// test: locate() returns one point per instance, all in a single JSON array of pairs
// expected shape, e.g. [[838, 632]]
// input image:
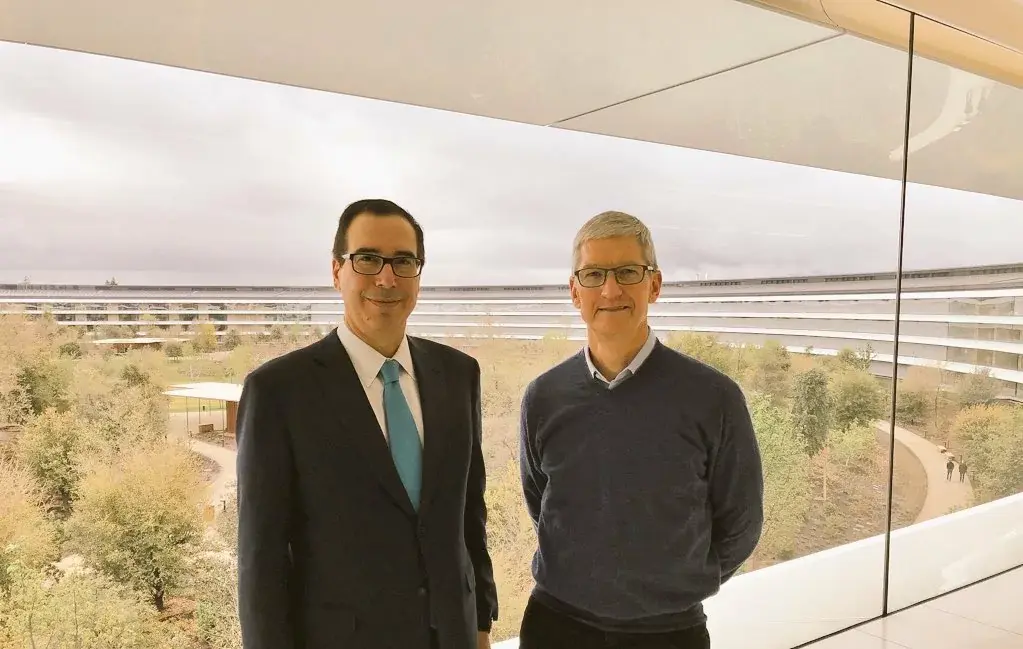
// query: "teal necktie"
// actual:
[[402, 435]]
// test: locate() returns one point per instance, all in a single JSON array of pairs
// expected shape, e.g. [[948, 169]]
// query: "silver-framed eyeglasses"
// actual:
[[624, 275], [368, 263]]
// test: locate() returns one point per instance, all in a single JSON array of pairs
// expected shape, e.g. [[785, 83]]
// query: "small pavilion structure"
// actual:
[[226, 397]]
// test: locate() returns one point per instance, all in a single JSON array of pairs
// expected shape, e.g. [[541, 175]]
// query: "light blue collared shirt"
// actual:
[[631, 369]]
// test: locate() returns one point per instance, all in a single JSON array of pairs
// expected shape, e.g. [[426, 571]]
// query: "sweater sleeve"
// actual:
[[533, 480], [736, 486]]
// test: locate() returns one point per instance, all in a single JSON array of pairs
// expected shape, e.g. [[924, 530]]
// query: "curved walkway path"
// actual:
[[226, 477], [943, 495]]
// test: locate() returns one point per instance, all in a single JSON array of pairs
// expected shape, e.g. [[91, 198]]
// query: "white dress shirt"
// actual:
[[632, 368], [368, 361]]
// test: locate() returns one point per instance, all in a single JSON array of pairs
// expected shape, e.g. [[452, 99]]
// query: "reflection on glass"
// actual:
[[962, 415], [814, 359]]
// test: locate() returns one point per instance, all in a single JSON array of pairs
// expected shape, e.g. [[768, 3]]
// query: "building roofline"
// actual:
[[786, 279]]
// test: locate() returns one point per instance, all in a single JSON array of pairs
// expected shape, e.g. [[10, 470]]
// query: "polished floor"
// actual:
[[988, 615]]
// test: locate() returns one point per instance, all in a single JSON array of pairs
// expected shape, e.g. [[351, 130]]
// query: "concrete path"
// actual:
[[227, 477], [942, 495], [224, 482]]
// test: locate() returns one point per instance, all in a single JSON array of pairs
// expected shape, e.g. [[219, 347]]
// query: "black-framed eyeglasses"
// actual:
[[368, 263], [624, 275]]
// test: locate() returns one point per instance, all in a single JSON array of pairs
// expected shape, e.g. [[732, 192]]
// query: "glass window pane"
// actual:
[[797, 276], [958, 407]]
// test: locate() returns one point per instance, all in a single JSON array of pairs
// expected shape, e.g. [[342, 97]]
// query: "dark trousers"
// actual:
[[543, 628]]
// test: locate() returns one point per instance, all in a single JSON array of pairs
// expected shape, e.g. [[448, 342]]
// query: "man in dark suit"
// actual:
[[361, 518]]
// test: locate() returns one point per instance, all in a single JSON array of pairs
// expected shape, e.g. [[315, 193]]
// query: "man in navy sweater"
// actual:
[[639, 464]]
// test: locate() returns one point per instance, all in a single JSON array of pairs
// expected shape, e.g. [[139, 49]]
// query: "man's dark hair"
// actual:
[[373, 207]]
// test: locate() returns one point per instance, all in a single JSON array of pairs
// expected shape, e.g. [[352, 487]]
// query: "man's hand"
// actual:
[[482, 640]]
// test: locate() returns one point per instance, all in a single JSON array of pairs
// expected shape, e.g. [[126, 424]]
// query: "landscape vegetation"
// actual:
[[108, 537]]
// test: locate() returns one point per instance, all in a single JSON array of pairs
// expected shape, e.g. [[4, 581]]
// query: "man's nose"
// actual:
[[386, 277], [611, 288]]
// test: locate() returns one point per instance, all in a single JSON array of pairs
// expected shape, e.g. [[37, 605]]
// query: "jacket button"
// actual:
[[421, 591]]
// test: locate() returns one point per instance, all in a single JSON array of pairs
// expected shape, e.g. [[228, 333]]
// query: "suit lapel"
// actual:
[[430, 382], [346, 398]]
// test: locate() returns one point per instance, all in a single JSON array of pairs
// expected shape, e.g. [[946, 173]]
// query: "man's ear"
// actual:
[[655, 285], [335, 273], [573, 290]]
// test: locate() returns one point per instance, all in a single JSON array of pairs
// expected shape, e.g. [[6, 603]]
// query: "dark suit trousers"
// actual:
[[544, 628]]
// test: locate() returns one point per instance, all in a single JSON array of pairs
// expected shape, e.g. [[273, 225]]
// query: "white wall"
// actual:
[[794, 602]]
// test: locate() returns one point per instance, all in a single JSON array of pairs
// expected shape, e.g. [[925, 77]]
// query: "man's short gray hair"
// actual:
[[607, 225]]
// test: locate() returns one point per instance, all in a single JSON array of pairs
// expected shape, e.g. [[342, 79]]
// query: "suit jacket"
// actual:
[[331, 553]]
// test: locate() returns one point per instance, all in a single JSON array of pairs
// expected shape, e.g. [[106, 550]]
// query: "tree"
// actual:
[[856, 359], [858, 399], [133, 376], [215, 583], [294, 334], [498, 392], [232, 339], [205, 339], [173, 350], [511, 541], [707, 349], [926, 385], [1000, 472], [15, 408], [16, 342], [853, 445], [130, 411], [52, 449], [769, 371], [138, 518], [787, 489], [27, 538], [127, 418], [276, 333], [811, 410], [70, 349], [240, 362], [911, 407], [216, 605], [992, 446], [45, 381], [977, 388], [503, 382], [110, 331], [79, 610]]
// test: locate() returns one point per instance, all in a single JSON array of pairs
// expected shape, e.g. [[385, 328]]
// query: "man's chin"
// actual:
[[612, 327]]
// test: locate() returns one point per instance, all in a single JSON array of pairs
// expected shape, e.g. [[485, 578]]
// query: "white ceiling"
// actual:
[[525, 60], [713, 74]]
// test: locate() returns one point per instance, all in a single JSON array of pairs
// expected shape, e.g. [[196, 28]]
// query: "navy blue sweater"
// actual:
[[645, 497]]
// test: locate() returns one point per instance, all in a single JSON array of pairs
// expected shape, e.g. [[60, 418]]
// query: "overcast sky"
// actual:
[[164, 176]]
